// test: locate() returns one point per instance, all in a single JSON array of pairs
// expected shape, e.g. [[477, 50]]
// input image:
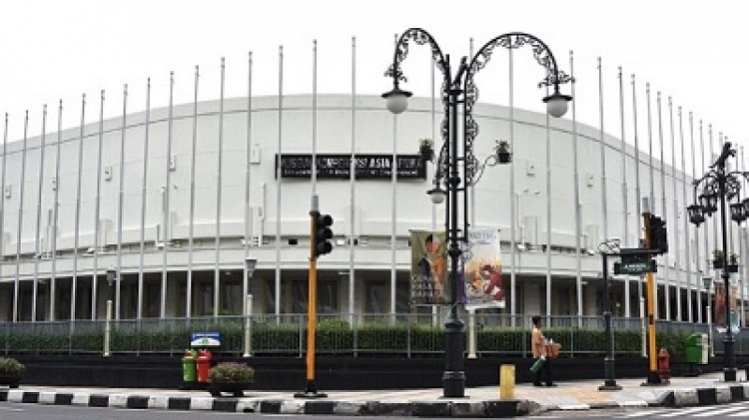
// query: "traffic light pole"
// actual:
[[310, 390], [653, 377]]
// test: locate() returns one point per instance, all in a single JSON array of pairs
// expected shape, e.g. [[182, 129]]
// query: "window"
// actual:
[[327, 297], [375, 301]]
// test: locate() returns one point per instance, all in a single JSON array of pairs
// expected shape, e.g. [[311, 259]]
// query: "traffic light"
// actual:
[[658, 235], [322, 234]]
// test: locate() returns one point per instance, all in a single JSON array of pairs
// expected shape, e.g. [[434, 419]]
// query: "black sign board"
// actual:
[[338, 166]]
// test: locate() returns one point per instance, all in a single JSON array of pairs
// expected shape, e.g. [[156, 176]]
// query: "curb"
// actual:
[[489, 408], [706, 396]]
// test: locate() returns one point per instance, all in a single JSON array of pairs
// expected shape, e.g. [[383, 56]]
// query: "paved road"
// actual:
[[737, 410], [11, 411]]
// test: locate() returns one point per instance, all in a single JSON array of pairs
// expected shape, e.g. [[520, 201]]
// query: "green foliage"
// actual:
[[501, 146], [11, 367], [333, 336], [231, 372]]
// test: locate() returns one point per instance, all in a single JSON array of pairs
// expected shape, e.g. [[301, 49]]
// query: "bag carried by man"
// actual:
[[538, 364]]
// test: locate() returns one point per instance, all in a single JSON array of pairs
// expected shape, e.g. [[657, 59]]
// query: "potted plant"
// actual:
[[502, 149], [426, 149], [719, 259], [11, 371], [230, 377], [733, 263]]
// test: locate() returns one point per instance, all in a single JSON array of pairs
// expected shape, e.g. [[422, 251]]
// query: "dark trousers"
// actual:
[[545, 372]]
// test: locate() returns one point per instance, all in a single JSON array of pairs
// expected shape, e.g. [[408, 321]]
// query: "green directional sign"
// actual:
[[635, 266]]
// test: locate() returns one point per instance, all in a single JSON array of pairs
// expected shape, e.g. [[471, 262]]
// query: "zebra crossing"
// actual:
[[737, 410]]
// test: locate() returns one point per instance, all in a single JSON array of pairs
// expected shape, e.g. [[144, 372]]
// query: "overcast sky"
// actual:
[[694, 51]]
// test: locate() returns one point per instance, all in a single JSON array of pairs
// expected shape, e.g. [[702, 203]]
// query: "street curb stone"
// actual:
[[427, 408]]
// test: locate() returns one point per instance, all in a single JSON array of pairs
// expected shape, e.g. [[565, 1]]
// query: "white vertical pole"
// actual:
[[687, 245], [393, 208], [578, 218], [74, 285], [97, 214], [166, 216], [667, 281], [352, 188], [144, 200], [678, 266], [20, 218], [191, 235], [247, 323], [120, 204], [278, 184], [247, 189], [42, 148], [697, 261], [35, 292], [602, 144], [707, 232], [56, 209], [625, 192], [108, 328], [514, 216], [638, 191], [471, 333], [650, 153], [217, 270], [709, 162]]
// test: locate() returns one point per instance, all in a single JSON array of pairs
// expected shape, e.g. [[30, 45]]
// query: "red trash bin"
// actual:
[[204, 365]]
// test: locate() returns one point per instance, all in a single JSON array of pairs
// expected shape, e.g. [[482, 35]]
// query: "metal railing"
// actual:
[[402, 335]]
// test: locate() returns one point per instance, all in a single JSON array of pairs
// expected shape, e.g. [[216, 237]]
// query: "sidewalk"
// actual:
[[480, 401]]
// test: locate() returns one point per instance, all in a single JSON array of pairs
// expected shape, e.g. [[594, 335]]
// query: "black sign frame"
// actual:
[[338, 166]]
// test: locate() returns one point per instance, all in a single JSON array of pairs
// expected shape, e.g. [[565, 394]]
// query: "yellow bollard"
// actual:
[[507, 382]]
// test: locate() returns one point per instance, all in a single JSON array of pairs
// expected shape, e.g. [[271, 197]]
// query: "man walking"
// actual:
[[538, 344]]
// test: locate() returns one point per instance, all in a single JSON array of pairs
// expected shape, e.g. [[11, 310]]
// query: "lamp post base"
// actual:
[[454, 377], [729, 374], [654, 379], [609, 386], [310, 391], [453, 384]]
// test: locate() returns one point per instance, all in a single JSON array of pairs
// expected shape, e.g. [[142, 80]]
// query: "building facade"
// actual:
[[175, 200]]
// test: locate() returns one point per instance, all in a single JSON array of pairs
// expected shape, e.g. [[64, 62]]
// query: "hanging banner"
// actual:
[[720, 308], [429, 268], [483, 270]]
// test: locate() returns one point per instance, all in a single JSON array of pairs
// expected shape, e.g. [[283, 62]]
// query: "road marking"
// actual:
[[643, 413], [678, 413], [11, 409], [719, 412]]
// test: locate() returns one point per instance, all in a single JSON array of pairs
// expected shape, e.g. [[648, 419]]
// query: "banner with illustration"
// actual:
[[483, 270], [720, 307], [429, 268]]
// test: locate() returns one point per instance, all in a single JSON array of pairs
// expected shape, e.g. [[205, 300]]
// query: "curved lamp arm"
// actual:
[[420, 37], [554, 77]]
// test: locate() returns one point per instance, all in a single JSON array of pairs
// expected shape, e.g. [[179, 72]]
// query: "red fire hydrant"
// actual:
[[664, 369], [204, 365]]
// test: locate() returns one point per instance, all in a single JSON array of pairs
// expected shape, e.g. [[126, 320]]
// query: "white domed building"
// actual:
[[179, 218]]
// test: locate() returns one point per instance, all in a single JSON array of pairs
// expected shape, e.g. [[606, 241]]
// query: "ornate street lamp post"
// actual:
[[719, 185], [454, 172]]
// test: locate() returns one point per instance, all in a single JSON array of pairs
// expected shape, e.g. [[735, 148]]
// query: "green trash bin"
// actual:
[[189, 366], [694, 353], [694, 348]]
